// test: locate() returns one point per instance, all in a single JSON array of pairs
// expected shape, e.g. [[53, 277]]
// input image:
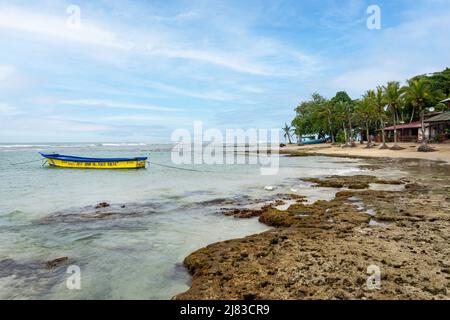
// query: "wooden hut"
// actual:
[[409, 132], [439, 126]]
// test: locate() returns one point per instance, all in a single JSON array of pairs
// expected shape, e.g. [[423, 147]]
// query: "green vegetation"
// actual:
[[342, 118]]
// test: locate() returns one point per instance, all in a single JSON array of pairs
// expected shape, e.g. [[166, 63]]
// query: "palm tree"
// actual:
[[417, 92], [327, 111], [287, 132], [348, 110], [366, 109], [340, 116], [379, 103], [392, 97]]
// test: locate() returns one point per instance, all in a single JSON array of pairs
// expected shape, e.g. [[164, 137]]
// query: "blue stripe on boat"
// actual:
[[82, 159]]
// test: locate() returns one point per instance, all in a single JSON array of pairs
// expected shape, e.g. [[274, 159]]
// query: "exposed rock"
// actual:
[[102, 205], [244, 213], [306, 256], [425, 148], [396, 147], [351, 182]]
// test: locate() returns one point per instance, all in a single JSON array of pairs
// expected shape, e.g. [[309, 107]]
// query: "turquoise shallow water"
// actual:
[[157, 217]]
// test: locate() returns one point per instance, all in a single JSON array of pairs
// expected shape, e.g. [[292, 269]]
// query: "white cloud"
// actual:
[[212, 95], [53, 125], [244, 54], [229, 61], [252, 89], [51, 26], [11, 80], [115, 105], [6, 72], [356, 82], [342, 15], [8, 110], [153, 119], [417, 46]]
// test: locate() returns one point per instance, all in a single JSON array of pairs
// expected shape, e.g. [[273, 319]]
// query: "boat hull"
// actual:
[[62, 161], [134, 164], [318, 141]]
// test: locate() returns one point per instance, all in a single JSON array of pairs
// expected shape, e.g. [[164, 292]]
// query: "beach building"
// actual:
[[438, 127], [409, 132]]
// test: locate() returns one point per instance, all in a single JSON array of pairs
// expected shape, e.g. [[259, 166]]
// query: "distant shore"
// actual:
[[326, 249], [409, 151]]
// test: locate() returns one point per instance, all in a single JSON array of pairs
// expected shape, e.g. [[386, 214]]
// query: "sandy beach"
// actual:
[[442, 152], [330, 249]]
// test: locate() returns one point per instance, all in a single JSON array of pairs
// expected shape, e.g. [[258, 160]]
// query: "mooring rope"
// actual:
[[178, 168], [19, 163]]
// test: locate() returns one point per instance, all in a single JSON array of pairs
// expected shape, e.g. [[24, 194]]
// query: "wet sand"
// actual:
[[329, 249]]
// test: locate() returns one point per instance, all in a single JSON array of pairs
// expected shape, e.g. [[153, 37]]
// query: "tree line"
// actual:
[[342, 118]]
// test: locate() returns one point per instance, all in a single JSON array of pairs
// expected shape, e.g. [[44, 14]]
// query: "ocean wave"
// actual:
[[123, 144], [76, 146], [23, 145], [67, 145]]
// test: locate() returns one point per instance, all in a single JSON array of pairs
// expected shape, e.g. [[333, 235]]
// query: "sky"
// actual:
[[134, 71]]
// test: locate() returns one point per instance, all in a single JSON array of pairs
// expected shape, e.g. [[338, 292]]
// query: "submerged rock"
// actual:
[[56, 262], [98, 215]]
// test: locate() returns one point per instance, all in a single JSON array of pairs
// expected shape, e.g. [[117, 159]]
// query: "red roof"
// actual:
[[416, 124]]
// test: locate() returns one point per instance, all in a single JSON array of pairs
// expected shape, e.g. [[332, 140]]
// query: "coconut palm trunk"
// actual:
[[298, 134], [395, 146], [369, 143], [412, 115], [287, 133], [394, 100], [424, 147], [383, 135], [395, 129], [331, 130], [352, 142], [346, 145]]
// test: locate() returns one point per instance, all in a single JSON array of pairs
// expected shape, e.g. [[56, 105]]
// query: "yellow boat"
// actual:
[[62, 161]]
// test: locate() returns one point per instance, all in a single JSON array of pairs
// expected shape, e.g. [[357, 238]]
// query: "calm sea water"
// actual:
[[157, 217]]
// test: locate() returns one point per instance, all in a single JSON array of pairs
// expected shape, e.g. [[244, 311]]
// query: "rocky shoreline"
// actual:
[[325, 250]]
